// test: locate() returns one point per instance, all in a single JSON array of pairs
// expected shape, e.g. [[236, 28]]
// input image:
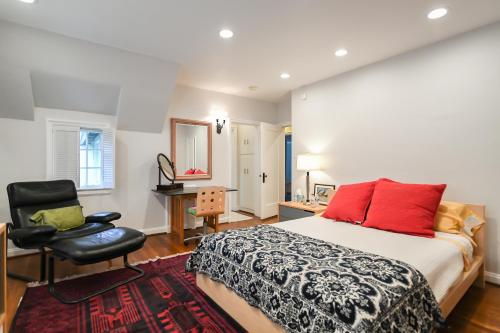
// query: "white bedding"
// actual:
[[440, 261]]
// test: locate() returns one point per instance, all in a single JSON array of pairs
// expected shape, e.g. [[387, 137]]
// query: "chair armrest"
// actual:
[[103, 217], [31, 233]]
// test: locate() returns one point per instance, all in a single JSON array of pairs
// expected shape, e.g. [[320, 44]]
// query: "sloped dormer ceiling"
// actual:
[[82, 76], [65, 93], [16, 100]]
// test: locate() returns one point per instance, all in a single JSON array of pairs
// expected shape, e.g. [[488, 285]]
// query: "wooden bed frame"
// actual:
[[254, 320]]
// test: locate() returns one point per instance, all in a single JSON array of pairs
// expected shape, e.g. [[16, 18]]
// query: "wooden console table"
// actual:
[[177, 209]]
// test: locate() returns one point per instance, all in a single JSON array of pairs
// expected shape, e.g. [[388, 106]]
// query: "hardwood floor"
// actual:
[[479, 310]]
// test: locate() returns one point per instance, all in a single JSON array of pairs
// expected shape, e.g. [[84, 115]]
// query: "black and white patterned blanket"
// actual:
[[308, 285]]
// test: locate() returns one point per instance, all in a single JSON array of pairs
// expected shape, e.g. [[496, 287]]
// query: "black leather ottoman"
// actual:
[[102, 246]]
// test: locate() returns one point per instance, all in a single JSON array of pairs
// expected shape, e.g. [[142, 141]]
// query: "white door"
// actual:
[[269, 136], [235, 175], [247, 181], [246, 138]]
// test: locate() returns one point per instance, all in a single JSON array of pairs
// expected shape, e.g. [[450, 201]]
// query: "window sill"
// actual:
[[90, 192]]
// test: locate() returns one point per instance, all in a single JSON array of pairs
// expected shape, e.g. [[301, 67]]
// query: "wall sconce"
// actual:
[[219, 126]]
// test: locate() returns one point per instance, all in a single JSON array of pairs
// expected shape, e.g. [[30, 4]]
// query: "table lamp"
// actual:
[[308, 162]]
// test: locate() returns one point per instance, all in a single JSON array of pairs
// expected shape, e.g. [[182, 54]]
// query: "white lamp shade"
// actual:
[[308, 162]]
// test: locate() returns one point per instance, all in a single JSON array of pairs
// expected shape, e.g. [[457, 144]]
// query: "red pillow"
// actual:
[[350, 202], [404, 208]]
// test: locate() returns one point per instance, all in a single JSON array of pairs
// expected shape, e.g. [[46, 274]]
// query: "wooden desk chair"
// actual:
[[210, 203]]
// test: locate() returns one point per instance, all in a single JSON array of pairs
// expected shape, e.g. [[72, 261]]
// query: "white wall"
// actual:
[[205, 103], [429, 116], [285, 109], [23, 154], [145, 83]]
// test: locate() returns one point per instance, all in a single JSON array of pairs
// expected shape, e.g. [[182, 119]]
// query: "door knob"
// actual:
[[264, 176]]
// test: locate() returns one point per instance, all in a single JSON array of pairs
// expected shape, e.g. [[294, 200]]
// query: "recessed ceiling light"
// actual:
[[284, 76], [28, 1], [437, 13], [341, 52], [226, 34]]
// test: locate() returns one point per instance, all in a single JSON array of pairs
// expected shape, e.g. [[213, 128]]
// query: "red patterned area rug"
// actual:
[[166, 299]]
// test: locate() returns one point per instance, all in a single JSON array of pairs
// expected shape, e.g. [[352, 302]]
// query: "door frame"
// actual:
[[282, 159], [233, 146]]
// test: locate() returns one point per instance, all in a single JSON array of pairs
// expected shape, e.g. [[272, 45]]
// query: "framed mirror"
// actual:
[[191, 146]]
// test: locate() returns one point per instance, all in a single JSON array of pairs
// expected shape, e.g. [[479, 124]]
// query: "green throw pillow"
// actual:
[[61, 218]]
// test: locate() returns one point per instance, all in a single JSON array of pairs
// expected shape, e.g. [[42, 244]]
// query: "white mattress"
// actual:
[[440, 261]]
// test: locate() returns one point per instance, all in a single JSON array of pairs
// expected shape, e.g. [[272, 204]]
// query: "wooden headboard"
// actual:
[[476, 273], [479, 210]]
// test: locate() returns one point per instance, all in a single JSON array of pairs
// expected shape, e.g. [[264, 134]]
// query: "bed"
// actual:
[[439, 260]]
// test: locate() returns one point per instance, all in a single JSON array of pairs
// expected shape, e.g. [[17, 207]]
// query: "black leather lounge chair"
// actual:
[[96, 240]]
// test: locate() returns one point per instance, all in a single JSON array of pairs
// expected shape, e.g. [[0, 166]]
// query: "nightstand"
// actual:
[[291, 210]]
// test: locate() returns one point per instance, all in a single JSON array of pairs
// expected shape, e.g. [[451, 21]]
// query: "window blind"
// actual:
[[66, 153], [108, 152]]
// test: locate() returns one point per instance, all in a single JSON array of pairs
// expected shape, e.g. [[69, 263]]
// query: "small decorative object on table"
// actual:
[[299, 197], [323, 192]]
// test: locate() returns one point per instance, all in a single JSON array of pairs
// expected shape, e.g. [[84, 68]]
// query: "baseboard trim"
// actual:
[[15, 251], [154, 231], [492, 277]]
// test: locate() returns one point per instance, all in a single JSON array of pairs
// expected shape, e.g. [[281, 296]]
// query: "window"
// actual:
[[84, 154], [91, 175]]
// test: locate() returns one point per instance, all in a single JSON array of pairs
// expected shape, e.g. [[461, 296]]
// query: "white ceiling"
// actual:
[[271, 36]]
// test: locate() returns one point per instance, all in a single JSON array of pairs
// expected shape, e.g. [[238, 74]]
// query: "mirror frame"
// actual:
[[170, 163], [173, 146]]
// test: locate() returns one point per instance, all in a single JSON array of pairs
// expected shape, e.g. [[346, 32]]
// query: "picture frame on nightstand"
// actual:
[[322, 193]]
